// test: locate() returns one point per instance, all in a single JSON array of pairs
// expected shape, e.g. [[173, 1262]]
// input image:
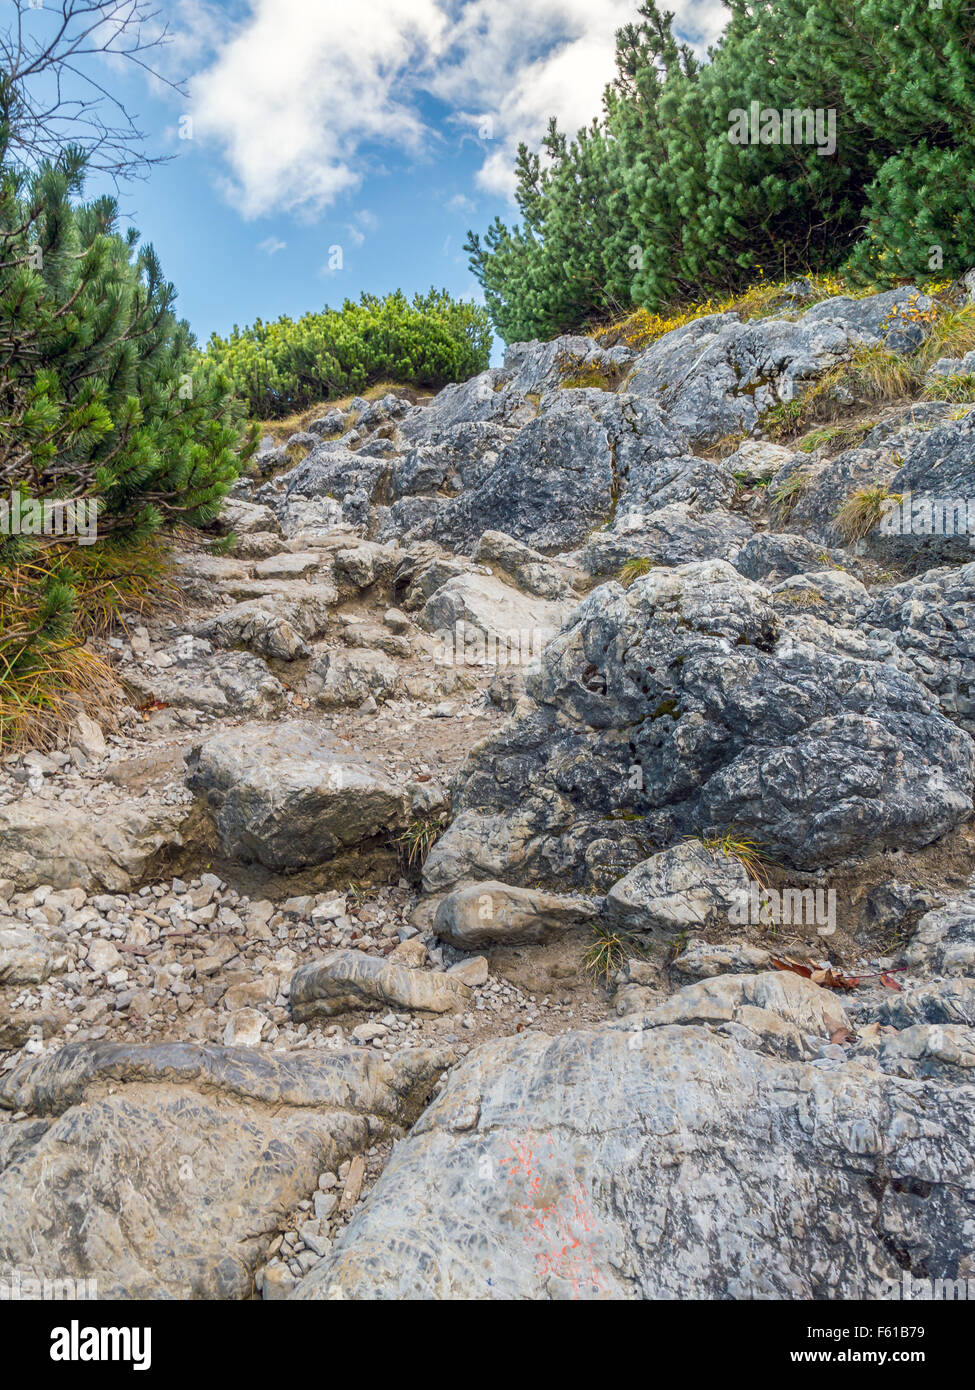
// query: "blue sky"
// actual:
[[385, 128]]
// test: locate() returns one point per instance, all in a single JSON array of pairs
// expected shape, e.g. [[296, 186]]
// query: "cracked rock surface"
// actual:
[[535, 861]]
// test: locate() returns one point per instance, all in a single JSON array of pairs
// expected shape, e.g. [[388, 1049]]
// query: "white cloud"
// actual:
[[461, 203], [304, 97], [271, 245], [362, 222]]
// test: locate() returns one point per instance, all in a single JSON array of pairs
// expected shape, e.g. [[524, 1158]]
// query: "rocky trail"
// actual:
[[443, 911]]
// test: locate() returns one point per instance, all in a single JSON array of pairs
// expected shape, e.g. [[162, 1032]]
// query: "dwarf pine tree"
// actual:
[[282, 367], [102, 393], [908, 75], [858, 154], [103, 400], [556, 270]]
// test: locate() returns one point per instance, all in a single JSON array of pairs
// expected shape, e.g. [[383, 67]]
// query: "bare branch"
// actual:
[[51, 94]]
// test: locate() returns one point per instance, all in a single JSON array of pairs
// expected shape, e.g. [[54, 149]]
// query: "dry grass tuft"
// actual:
[[39, 707], [419, 837], [634, 569], [747, 852], [609, 951], [861, 512], [50, 606]]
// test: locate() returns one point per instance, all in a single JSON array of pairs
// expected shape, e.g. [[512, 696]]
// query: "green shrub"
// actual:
[[281, 368], [956, 388], [102, 393], [653, 205], [106, 402]]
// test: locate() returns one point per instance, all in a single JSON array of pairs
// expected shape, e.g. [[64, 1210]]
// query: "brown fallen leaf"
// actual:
[[888, 981], [829, 978], [151, 706], [785, 964], [832, 979]]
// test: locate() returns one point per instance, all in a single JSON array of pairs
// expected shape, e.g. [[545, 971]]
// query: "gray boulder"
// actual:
[[717, 375], [552, 484], [339, 679], [421, 470], [331, 423], [28, 957], [479, 609], [332, 470], [675, 535], [809, 1013], [932, 619], [343, 981], [945, 1052], [537, 367], [292, 794], [658, 482], [935, 522], [529, 569], [487, 398], [470, 448], [165, 1171], [50, 842], [952, 366], [268, 627], [771, 556], [499, 914], [680, 705], [890, 318], [247, 518], [930, 1002], [641, 1160], [944, 940], [702, 960], [688, 887], [757, 461], [216, 682], [833, 595], [825, 485]]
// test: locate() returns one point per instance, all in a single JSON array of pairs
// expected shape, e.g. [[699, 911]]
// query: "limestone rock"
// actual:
[[726, 998], [498, 914], [620, 1162], [553, 482], [247, 518], [269, 626], [686, 888], [89, 737], [716, 375], [43, 842], [27, 957], [292, 794], [702, 960], [163, 1171], [932, 619], [529, 569], [346, 980], [483, 613], [681, 703], [217, 682], [944, 940], [338, 679], [675, 534]]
